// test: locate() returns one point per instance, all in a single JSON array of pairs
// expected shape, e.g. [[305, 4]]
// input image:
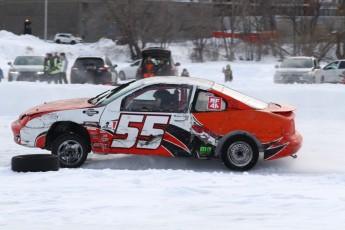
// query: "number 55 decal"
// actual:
[[144, 131]]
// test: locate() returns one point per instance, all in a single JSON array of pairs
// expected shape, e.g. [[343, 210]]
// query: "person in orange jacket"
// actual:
[[149, 67]]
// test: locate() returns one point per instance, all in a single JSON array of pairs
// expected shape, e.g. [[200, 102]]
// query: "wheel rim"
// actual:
[[70, 152], [240, 153]]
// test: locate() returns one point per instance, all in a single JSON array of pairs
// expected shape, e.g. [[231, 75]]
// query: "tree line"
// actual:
[[251, 27]]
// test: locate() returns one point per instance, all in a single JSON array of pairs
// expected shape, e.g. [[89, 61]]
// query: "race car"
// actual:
[[163, 116]]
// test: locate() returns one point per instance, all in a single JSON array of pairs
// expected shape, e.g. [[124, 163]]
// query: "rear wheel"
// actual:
[[58, 41], [71, 149], [240, 154]]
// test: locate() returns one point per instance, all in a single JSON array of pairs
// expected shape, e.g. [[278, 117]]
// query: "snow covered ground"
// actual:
[[143, 192]]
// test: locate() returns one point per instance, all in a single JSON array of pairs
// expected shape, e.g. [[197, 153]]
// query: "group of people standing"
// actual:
[[151, 69], [55, 68]]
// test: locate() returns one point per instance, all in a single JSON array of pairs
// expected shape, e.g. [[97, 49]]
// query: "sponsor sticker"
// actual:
[[90, 112], [214, 103], [205, 150]]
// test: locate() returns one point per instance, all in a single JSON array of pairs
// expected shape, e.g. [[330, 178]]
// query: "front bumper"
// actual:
[[25, 76], [16, 126], [294, 78]]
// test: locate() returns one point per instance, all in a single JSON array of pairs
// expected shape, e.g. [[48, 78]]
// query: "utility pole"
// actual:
[[45, 19]]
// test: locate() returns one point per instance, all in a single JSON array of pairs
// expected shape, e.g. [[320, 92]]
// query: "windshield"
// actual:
[[88, 61], [29, 60], [110, 95], [252, 102], [297, 63]]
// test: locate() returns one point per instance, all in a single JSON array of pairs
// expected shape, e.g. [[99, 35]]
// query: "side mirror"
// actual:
[[317, 67], [276, 66], [177, 64], [9, 63], [114, 66]]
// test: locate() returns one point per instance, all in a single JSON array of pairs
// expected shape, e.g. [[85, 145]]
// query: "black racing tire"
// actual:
[[71, 149], [35, 163], [240, 154], [122, 75], [58, 41]]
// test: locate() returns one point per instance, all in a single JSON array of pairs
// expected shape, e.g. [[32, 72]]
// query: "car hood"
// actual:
[[54, 106], [27, 68]]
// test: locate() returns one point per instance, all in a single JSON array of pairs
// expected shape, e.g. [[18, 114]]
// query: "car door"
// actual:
[[330, 71], [208, 119], [135, 124], [339, 71], [132, 70]]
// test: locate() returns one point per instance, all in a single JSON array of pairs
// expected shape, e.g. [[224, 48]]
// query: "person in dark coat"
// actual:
[[185, 73], [227, 73]]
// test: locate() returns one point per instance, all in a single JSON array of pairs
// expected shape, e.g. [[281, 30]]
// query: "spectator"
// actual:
[[149, 67], [161, 68], [64, 65], [52, 68], [56, 68], [227, 73], [184, 73]]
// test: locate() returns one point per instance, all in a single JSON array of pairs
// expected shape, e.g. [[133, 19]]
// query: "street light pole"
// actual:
[[45, 19]]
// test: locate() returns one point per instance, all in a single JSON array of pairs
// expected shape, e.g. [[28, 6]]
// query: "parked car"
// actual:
[[67, 38], [26, 68], [332, 73], [298, 69], [93, 70], [158, 54], [163, 116], [130, 71]]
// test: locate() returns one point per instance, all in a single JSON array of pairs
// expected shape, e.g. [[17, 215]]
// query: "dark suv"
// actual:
[[93, 70], [158, 55]]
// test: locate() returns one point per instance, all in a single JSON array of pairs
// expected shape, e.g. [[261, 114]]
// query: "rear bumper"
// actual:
[[285, 146]]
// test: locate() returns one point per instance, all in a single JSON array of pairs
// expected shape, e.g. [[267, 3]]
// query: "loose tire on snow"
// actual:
[[240, 154], [71, 150], [35, 163]]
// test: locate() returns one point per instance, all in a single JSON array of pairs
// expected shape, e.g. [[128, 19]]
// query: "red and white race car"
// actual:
[[163, 116]]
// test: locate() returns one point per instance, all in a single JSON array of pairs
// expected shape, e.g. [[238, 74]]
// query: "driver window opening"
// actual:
[[159, 98]]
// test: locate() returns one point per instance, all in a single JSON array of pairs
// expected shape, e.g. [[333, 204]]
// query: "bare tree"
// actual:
[[230, 11], [134, 20], [200, 24]]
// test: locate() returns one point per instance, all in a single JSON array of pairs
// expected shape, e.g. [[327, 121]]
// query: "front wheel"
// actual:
[[240, 154], [71, 149]]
